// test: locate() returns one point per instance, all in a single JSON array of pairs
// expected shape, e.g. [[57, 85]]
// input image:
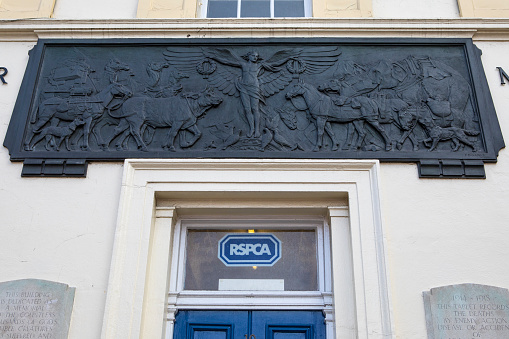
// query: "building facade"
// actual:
[[381, 236]]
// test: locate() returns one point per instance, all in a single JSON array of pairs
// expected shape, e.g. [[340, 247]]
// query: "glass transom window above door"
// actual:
[[222, 256], [257, 8], [251, 259]]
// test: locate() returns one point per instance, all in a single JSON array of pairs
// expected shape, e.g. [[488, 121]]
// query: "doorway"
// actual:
[[144, 294], [254, 273]]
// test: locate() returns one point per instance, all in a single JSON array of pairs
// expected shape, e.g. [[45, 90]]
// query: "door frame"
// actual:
[[286, 218], [137, 298]]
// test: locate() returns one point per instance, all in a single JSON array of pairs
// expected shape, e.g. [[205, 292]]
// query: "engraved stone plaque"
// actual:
[[33, 308], [467, 311]]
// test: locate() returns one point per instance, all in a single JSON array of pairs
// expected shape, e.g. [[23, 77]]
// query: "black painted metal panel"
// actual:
[[388, 99]]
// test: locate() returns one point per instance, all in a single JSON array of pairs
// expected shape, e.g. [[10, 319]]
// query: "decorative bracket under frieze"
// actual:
[[451, 168], [419, 100]]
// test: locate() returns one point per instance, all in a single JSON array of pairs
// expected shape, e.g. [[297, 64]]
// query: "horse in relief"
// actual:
[[324, 110]]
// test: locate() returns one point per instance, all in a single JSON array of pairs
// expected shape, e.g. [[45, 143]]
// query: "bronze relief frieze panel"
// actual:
[[425, 101]]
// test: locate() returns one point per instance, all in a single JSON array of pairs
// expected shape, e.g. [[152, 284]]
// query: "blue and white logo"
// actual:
[[251, 249]]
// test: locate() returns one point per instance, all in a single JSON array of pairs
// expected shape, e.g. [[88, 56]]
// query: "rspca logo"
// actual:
[[252, 249]]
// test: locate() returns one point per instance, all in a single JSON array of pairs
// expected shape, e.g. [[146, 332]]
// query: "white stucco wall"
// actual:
[[443, 232], [126, 9], [58, 229], [438, 232], [411, 9], [95, 9]]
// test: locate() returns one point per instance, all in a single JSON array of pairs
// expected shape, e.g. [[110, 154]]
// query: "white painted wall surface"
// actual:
[[126, 9], [438, 232], [411, 9], [95, 9], [54, 228], [443, 232]]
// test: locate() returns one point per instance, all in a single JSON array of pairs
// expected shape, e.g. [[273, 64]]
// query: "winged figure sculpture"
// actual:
[[249, 76]]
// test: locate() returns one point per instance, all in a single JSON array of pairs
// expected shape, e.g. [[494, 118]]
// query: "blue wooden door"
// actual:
[[249, 324], [288, 325], [210, 325]]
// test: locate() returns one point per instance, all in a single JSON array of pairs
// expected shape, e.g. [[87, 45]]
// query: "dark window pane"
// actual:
[[288, 8], [297, 266], [222, 9], [255, 9]]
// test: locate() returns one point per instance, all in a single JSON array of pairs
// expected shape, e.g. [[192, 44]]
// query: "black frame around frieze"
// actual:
[[64, 77]]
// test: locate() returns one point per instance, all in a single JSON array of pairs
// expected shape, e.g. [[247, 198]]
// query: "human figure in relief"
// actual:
[[258, 78], [248, 84]]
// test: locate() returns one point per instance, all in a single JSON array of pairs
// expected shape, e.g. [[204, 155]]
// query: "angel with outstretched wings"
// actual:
[[259, 78]]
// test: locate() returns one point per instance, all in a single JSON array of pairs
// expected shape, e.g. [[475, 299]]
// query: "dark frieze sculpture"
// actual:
[[301, 100], [383, 105]]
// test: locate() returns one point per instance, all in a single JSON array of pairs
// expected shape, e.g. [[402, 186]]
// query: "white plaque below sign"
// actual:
[[34, 308], [251, 284], [467, 311]]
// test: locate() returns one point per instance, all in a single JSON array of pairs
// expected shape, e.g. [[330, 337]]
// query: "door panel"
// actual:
[[210, 332], [283, 335], [210, 324], [242, 324], [289, 332], [288, 325]]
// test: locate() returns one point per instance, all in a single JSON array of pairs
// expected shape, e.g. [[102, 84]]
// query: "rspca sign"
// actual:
[[252, 249]]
